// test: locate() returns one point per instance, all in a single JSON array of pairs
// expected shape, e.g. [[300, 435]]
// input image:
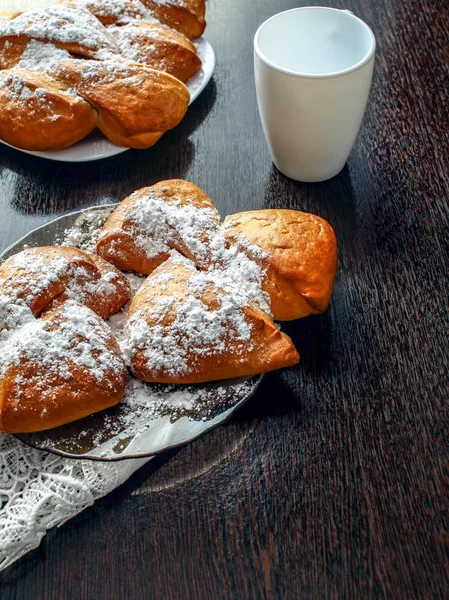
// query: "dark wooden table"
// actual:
[[332, 482]]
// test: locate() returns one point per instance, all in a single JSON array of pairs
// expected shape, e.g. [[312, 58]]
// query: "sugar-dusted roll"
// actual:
[[44, 277], [136, 104], [145, 227], [157, 46], [39, 113], [300, 258], [56, 369], [190, 326]]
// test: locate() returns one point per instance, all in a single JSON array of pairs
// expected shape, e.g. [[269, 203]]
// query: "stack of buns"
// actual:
[[206, 310], [116, 65]]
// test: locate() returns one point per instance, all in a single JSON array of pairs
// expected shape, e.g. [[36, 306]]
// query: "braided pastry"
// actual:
[[51, 106], [129, 82]]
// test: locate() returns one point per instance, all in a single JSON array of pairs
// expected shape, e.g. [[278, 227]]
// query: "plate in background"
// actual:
[[96, 146]]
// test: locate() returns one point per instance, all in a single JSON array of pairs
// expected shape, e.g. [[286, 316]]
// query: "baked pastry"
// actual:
[[59, 361], [133, 107], [300, 258], [145, 227], [135, 104], [184, 327], [74, 30], [142, 38], [187, 16], [57, 369], [157, 46], [7, 16], [42, 277], [11, 52], [112, 12], [39, 113], [204, 313]]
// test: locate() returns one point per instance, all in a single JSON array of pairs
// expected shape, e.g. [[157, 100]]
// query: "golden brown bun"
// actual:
[[301, 258], [74, 30], [157, 46], [183, 356], [63, 367], [46, 276], [119, 241], [136, 104], [39, 113], [187, 16]]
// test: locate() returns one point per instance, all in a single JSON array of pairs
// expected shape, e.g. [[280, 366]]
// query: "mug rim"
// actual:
[[355, 67]]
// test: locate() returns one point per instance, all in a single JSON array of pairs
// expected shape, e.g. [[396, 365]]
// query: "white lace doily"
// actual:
[[39, 490]]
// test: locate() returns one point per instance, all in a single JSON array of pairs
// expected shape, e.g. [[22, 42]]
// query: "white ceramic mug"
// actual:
[[313, 69]]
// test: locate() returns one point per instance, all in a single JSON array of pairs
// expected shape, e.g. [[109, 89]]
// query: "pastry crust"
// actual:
[[157, 46], [135, 104], [39, 113], [173, 344], [187, 16], [8, 16], [74, 30], [131, 243], [58, 369], [112, 11], [201, 315], [11, 51], [132, 93], [47, 276], [300, 258]]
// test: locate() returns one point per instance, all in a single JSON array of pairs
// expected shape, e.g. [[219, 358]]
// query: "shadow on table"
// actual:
[[52, 187]]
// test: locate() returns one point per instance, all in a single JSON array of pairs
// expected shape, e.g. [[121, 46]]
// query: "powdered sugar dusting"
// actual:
[[86, 230], [62, 25], [78, 339], [157, 225], [122, 11], [32, 273], [42, 57], [143, 421], [174, 331], [125, 38]]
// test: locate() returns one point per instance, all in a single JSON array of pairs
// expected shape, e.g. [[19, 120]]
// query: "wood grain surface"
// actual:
[[332, 482]]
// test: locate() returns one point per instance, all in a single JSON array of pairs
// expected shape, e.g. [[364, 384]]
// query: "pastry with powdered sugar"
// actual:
[[205, 312], [63, 72]]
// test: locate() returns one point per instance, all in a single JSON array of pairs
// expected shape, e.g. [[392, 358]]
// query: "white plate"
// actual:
[[155, 420], [96, 145]]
